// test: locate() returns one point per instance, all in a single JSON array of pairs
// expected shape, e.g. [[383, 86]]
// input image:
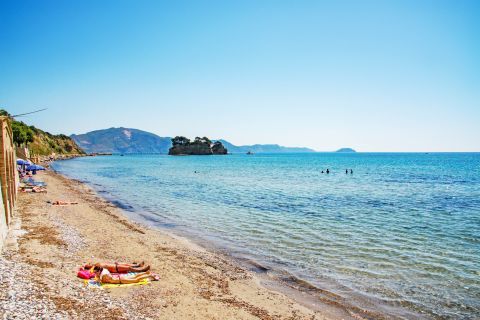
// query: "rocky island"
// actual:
[[200, 146]]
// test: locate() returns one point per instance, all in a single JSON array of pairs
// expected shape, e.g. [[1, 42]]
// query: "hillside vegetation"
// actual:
[[40, 142], [45, 143]]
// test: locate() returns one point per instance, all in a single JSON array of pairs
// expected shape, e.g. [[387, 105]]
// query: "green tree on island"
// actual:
[[203, 140], [199, 146], [180, 141]]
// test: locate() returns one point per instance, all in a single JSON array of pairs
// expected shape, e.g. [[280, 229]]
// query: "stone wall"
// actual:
[[8, 177]]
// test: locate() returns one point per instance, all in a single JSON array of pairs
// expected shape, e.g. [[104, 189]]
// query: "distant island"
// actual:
[[199, 146], [264, 148], [346, 150], [133, 141]]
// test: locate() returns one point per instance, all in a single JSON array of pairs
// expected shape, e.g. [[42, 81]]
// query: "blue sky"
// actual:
[[372, 75]]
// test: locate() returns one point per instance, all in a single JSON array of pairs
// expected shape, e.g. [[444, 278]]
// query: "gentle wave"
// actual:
[[401, 233]]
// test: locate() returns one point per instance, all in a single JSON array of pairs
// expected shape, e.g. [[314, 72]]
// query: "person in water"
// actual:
[[351, 171], [322, 171], [328, 171], [104, 276], [346, 171], [119, 267]]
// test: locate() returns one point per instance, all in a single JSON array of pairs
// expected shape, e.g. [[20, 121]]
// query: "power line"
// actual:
[[24, 114]]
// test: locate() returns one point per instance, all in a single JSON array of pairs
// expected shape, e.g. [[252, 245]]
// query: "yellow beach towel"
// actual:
[[94, 283]]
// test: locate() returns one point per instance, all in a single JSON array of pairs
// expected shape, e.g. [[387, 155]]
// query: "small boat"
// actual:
[[249, 152]]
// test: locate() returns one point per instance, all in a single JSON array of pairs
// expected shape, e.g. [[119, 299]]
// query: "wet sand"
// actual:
[[48, 243]]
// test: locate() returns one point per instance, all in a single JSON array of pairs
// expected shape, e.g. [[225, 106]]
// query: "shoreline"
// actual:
[[51, 242], [301, 291], [294, 288], [316, 298]]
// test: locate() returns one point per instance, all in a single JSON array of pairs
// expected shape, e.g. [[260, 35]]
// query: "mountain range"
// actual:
[[263, 148], [122, 140], [127, 140]]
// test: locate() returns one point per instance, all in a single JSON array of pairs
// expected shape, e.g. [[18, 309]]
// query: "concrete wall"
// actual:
[[8, 177]]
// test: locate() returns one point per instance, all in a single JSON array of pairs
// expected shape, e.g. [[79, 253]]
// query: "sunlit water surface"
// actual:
[[402, 230]]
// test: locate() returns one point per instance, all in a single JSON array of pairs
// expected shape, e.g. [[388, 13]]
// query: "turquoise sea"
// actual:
[[401, 235]]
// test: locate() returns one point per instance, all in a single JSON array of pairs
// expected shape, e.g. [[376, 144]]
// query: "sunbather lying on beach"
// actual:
[[61, 203], [104, 276], [33, 189], [119, 267]]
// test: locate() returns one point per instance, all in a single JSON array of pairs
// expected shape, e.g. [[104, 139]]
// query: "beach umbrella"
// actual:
[[23, 162], [34, 167]]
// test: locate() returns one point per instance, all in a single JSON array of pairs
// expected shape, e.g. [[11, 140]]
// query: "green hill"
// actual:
[[45, 143], [40, 142]]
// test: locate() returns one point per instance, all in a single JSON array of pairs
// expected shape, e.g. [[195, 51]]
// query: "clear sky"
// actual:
[[372, 75]]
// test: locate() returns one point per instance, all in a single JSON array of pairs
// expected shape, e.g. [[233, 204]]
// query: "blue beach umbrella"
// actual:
[[23, 162], [34, 167]]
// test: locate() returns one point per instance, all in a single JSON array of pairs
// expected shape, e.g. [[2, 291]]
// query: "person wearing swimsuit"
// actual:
[[104, 276], [120, 267]]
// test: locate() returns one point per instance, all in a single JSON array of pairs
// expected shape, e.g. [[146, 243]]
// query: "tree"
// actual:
[[29, 134], [180, 141], [19, 135], [203, 140], [4, 113], [22, 134], [207, 141]]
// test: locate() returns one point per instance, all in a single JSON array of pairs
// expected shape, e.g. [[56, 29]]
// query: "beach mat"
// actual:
[[96, 284]]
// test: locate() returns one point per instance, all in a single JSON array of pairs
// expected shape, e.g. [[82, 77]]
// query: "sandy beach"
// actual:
[[47, 244]]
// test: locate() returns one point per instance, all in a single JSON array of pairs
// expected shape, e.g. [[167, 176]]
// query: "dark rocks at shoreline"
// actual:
[[218, 148], [190, 150]]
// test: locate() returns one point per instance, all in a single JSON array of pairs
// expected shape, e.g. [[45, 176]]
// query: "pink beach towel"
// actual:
[[85, 274]]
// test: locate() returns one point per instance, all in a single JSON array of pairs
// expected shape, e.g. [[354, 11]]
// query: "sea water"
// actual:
[[400, 234]]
